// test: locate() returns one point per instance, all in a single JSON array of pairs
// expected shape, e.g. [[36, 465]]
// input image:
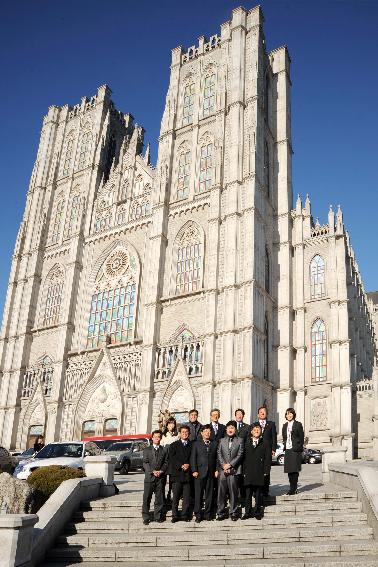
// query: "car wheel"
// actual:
[[312, 460], [125, 468], [281, 459]]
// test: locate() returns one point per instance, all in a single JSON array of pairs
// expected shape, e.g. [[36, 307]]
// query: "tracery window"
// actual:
[[112, 311], [138, 186], [206, 168], [188, 105], [84, 149], [183, 175], [318, 351], [141, 209], [112, 145], [88, 429], [209, 95], [74, 214], [266, 167], [267, 270], [317, 277], [189, 261], [58, 221], [42, 373], [68, 156], [53, 297]]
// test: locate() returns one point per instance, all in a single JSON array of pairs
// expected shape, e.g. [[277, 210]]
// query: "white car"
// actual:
[[69, 454]]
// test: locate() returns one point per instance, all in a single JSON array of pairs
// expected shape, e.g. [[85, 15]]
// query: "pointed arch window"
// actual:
[[183, 175], [318, 351], [58, 222], [138, 187], [209, 95], [267, 270], [53, 297], [84, 149], [113, 304], [189, 261], [266, 167], [317, 277], [76, 207], [110, 156], [266, 349], [188, 104], [206, 168], [68, 156]]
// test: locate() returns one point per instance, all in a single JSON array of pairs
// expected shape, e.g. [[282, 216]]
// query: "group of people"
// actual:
[[212, 465]]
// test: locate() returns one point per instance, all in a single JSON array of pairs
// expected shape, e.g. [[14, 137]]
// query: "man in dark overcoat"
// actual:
[[155, 464], [179, 471], [203, 464], [256, 466], [269, 434]]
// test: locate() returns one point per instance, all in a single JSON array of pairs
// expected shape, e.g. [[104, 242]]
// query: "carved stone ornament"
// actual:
[[104, 402], [319, 414], [190, 236], [116, 264]]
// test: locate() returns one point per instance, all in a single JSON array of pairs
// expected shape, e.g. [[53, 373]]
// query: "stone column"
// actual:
[[16, 539], [101, 466]]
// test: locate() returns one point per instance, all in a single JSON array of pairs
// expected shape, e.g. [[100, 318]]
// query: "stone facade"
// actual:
[[135, 289]]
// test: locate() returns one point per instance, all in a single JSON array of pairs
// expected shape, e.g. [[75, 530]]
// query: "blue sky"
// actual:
[[57, 52]]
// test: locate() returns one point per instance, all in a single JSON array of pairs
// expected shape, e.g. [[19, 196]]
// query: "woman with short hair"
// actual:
[[293, 439]]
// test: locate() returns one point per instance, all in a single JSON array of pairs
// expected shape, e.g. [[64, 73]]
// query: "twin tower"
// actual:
[[137, 289]]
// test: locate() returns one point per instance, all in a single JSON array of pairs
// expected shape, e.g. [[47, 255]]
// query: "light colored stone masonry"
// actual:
[[98, 216]]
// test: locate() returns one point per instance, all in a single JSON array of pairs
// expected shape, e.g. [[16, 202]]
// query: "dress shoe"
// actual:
[[146, 522], [174, 520], [198, 519], [234, 518], [221, 518], [259, 514], [208, 518], [246, 517], [160, 521], [187, 519]]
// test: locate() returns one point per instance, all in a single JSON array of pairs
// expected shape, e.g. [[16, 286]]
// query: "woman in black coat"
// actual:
[[257, 462], [293, 438]]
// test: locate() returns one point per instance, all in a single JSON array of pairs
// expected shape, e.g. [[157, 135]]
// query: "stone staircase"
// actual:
[[307, 530]]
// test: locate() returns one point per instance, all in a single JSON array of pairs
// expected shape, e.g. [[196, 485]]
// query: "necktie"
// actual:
[[239, 426], [215, 427], [184, 443]]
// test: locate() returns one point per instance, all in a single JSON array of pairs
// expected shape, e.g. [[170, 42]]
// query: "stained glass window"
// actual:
[[58, 220], [68, 157], [209, 95], [206, 168], [317, 277], [318, 352], [84, 149], [183, 175], [89, 429], [74, 215], [189, 260], [111, 426], [188, 107], [112, 316], [141, 210]]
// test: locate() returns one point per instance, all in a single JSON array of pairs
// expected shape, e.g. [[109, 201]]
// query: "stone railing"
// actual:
[[189, 350]]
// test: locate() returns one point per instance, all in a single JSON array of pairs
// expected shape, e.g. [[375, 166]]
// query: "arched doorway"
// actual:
[[34, 432]]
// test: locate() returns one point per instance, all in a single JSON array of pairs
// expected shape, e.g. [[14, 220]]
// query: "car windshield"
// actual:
[[28, 452], [119, 447], [55, 450]]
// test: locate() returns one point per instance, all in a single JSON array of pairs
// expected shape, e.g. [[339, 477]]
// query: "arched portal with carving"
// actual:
[[178, 397]]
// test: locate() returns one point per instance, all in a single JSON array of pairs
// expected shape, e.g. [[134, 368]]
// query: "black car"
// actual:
[[129, 455], [311, 456]]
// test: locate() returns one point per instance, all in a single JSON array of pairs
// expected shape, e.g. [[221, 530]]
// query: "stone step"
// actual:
[[197, 538], [289, 509], [282, 551], [301, 497], [136, 525], [351, 561]]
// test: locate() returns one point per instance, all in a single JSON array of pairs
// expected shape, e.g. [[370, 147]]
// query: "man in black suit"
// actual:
[[194, 425], [269, 435], [242, 429], [155, 463], [218, 430], [203, 464], [179, 470]]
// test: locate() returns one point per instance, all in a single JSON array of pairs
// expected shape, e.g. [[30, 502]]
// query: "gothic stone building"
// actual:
[[135, 289]]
